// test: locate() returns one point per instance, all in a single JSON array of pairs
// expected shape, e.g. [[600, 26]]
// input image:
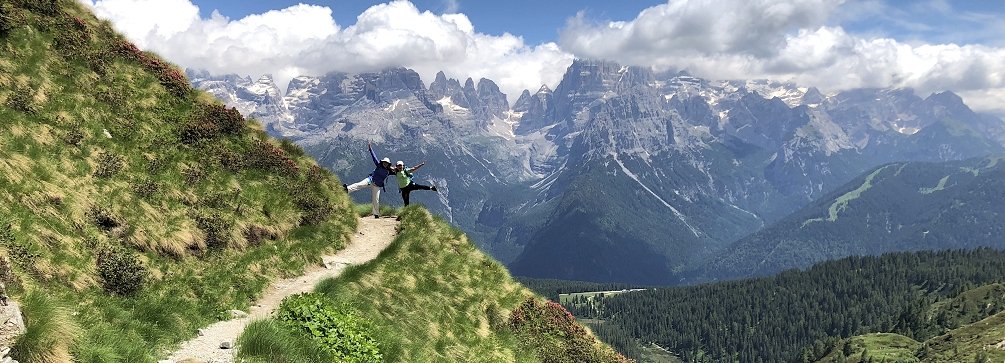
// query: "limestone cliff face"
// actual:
[[705, 162]]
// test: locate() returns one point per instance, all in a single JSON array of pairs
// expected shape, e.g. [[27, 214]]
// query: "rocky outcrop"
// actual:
[[715, 159]]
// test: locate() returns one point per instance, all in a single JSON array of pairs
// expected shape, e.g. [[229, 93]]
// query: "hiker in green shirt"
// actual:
[[405, 183]]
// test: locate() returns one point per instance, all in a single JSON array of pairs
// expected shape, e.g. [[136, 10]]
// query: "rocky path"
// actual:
[[371, 238]]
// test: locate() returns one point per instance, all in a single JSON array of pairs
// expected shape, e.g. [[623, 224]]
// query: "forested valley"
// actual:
[[801, 315]]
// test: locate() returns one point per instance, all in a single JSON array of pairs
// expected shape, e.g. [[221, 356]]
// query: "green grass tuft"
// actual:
[[50, 331], [271, 341]]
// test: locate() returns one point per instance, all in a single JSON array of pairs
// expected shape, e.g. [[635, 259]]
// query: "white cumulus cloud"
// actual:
[[789, 40], [305, 40]]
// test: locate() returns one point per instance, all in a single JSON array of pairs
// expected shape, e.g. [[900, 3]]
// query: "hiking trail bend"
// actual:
[[371, 237]]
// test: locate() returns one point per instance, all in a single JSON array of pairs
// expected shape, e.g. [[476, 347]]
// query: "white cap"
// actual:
[[385, 160], [400, 163]]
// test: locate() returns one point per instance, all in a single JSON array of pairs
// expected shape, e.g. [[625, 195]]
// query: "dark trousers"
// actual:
[[409, 188]]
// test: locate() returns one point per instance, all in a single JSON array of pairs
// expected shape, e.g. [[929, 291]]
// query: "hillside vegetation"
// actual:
[[432, 296], [134, 209], [976, 318], [800, 314], [906, 206]]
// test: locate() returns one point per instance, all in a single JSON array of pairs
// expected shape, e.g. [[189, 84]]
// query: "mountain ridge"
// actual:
[[135, 209], [744, 152]]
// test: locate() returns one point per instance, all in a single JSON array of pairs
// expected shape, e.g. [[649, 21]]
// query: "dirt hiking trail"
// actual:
[[372, 237]]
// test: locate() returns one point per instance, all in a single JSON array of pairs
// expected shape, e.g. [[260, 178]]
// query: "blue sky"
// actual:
[[928, 45], [957, 21], [536, 21]]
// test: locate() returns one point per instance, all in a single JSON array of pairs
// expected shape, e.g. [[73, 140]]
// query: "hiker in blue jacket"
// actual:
[[375, 180], [405, 183]]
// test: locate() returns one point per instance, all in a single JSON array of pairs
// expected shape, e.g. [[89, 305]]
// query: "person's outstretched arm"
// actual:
[[414, 168], [373, 154]]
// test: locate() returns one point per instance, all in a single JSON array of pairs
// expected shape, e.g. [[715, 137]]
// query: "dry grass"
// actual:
[[51, 331], [430, 293]]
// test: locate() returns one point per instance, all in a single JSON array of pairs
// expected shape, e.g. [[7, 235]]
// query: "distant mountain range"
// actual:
[[619, 174], [910, 206]]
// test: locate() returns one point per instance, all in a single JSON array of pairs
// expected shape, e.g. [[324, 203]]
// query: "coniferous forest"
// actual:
[[799, 315]]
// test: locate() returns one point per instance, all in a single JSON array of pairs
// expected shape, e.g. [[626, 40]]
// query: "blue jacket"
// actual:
[[379, 173]]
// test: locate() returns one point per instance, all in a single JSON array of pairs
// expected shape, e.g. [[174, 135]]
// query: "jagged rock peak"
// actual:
[[265, 78], [813, 96], [947, 97], [443, 86], [486, 85], [544, 89], [521, 103]]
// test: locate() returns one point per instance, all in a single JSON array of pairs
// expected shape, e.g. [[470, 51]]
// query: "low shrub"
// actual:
[[6, 19], [104, 218], [337, 330], [230, 160], [20, 252], [217, 229], [23, 99], [318, 174], [194, 131], [120, 271], [193, 175], [73, 136], [71, 36], [109, 164], [112, 97], [155, 165], [264, 156], [146, 188], [98, 60], [8, 280], [228, 120], [256, 235], [43, 7], [555, 336], [314, 209], [171, 78]]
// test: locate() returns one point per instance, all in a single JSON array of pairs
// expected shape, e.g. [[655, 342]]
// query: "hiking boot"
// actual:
[[376, 216], [433, 188], [346, 187]]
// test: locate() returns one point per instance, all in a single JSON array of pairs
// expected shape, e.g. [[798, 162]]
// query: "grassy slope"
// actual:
[[94, 157], [972, 342], [434, 297], [91, 159]]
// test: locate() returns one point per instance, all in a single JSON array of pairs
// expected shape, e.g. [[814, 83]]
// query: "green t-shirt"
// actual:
[[404, 178]]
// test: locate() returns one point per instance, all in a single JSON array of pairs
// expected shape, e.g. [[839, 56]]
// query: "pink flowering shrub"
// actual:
[[229, 120], [265, 156], [196, 130], [170, 77], [207, 121], [555, 335], [317, 174]]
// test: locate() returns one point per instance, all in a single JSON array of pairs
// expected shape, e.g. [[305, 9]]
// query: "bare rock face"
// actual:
[[11, 324], [720, 158]]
